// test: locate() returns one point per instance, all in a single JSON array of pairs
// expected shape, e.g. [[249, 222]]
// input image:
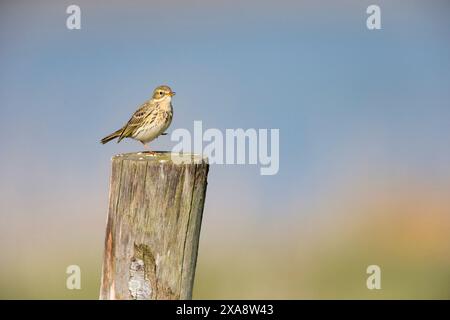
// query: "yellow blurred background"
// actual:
[[364, 121]]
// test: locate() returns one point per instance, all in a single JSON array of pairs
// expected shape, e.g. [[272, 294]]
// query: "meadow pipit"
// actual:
[[149, 121]]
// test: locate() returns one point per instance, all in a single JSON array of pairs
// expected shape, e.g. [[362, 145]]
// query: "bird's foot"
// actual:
[[147, 150]]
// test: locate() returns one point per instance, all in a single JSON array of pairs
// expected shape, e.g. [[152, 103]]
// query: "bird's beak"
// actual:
[[172, 94]]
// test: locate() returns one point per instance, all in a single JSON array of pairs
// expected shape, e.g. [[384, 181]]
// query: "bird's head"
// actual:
[[162, 92]]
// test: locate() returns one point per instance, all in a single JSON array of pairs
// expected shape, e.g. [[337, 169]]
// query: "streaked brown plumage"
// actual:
[[151, 119]]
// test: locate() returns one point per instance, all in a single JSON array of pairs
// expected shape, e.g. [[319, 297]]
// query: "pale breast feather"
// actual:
[[155, 123]]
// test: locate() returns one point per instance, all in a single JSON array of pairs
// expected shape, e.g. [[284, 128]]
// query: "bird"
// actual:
[[149, 121]]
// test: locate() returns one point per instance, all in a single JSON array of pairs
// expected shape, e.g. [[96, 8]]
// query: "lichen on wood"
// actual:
[[153, 228]]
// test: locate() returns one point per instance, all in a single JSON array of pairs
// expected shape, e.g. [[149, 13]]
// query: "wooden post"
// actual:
[[153, 227]]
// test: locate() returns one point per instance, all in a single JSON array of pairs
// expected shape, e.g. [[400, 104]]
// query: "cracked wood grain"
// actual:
[[153, 227]]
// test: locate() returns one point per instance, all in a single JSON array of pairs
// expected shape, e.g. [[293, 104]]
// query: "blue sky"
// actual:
[[334, 89], [350, 103]]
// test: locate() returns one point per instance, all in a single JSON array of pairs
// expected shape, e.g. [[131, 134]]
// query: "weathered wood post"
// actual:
[[153, 227]]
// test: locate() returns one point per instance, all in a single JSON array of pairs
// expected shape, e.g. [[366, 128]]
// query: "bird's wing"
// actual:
[[139, 117]]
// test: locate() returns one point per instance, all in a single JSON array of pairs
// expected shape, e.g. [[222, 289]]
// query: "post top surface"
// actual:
[[162, 156]]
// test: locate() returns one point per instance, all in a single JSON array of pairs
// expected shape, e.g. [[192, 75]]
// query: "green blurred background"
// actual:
[[364, 119]]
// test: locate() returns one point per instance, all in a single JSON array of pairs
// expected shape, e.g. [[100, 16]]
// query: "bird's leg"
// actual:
[[147, 149]]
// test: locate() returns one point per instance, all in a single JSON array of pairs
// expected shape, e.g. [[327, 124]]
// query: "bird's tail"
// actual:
[[112, 136]]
